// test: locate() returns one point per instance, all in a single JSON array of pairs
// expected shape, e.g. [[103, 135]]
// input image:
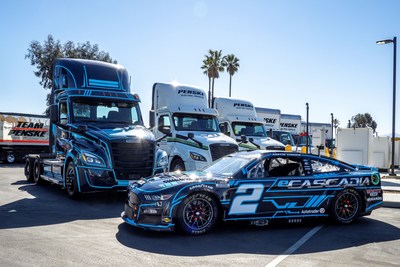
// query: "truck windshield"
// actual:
[[283, 137], [248, 129], [195, 122], [106, 112]]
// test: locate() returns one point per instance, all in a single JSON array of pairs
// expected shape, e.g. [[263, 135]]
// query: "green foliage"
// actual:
[[213, 64], [363, 120], [44, 55], [231, 62]]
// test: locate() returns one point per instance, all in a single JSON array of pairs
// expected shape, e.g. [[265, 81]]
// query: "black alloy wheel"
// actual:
[[177, 165], [198, 213], [346, 206], [71, 181], [28, 170]]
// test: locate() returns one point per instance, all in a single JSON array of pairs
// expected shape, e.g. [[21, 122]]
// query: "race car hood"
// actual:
[[174, 179], [130, 134]]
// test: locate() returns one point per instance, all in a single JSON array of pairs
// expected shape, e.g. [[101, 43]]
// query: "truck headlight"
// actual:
[[162, 159], [197, 156], [92, 159]]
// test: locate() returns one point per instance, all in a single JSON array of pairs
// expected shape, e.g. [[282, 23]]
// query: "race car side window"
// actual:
[[277, 167], [321, 166], [284, 166]]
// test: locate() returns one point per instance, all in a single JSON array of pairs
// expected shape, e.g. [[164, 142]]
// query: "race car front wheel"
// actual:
[[197, 214], [346, 206]]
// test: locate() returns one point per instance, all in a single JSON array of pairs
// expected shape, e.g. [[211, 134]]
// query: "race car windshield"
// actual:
[[249, 129], [227, 166], [195, 122], [116, 112]]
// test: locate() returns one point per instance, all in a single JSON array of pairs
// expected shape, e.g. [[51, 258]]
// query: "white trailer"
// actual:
[[22, 134], [238, 118], [271, 117], [186, 128]]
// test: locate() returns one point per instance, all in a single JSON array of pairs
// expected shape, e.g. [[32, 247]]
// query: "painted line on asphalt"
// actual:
[[294, 247]]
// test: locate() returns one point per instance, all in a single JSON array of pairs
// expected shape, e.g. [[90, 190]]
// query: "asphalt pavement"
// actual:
[[391, 189]]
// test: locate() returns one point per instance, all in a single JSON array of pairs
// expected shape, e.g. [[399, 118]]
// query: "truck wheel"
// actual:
[[346, 206], [71, 181], [28, 170], [37, 171], [11, 158], [197, 214], [177, 165]]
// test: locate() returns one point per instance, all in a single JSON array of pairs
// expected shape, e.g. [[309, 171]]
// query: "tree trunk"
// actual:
[[212, 94], [230, 83], [209, 92]]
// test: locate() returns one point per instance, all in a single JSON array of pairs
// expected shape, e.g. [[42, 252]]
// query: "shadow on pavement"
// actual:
[[240, 238], [50, 204]]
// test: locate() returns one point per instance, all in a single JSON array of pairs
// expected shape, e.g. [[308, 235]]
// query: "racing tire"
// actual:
[[37, 171], [177, 164], [28, 169], [71, 183], [11, 158], [197, 214], [346, 206]]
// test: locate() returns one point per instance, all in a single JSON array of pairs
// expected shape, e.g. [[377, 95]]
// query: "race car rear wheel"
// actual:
[[71, 183], [346, 206], [197, 214]]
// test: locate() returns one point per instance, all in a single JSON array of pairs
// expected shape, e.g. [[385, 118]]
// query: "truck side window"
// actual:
[[224, 127], [63, 113], [164, 124]]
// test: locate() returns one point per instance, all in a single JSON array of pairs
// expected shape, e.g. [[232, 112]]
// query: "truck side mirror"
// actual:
[[151, 118], [243, 138], [53, 113]]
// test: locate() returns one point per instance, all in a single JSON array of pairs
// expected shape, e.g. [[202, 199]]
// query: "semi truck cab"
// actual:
[[186, 128], [97, 137], [238, 119]]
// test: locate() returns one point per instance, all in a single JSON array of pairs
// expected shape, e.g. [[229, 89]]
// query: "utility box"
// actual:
[[355, 145], [381, 152]]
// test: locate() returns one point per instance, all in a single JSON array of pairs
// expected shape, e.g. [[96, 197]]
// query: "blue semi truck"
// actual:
[[97, 138]]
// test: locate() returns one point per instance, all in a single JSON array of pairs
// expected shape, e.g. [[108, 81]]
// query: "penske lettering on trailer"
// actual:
[[289, 125], [318, 183], [269, 120], [28, 129]]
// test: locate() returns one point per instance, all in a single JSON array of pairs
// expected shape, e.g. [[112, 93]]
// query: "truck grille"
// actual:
[[133, 161], [220, 150]]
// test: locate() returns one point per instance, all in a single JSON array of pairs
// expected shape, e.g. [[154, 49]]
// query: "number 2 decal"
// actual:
[[239, 206]]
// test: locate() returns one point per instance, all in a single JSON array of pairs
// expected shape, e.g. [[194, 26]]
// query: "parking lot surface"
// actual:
[[41, 226]]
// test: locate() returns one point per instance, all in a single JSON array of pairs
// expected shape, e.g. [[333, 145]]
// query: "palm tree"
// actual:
[[212, 67], [231, 62]]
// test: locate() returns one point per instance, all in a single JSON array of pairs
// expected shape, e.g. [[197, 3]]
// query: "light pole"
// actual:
[[394, 41], [307, 108]]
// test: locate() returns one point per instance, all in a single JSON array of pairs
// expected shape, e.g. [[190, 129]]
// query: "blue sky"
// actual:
[[291, 52]]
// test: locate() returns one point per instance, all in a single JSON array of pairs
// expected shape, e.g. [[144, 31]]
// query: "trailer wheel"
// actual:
[[11, 158], [177, 165], [37, 171], [28, 170], [71, 183]]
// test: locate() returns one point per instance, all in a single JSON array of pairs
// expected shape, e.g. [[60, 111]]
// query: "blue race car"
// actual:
[[257, 186]]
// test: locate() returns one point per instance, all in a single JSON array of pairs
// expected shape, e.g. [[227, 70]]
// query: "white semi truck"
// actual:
[[186, 128], [238, 119], [21, 134]]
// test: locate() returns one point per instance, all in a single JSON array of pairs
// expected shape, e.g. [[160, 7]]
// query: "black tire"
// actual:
[[28, 169], [11, 157], [71, 183], [346, 206], [37, 171], [177, 164], [197, 214]]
